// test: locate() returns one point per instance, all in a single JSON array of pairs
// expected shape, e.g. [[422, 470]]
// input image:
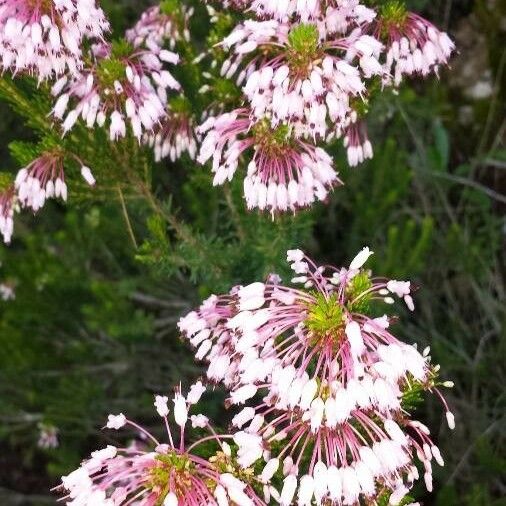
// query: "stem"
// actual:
[[127, 219]]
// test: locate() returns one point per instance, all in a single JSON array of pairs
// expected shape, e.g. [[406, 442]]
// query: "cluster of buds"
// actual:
[[167, 473], [311, 68], [327, 386], [44, 37]]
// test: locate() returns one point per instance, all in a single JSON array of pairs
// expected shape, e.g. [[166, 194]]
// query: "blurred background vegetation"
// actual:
[[92, 327]]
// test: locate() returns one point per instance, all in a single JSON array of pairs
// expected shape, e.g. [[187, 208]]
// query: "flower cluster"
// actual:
[[168, 473], [124, 84], [44, 178], [159, 24], [41, 179], [176, 133], [285, 173], [327, 385], [311, 68], [45, 37]]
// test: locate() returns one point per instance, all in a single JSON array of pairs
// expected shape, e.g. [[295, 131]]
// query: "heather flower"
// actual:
[[7, 207], [124, 85], [176, 133], [44, 178], [170, 473], [414, 45], [285, 173], [357, 143], [48, 436], [7, 292], [296, 74], [207, 332], [160, 24], [333, 383], [44, 37]]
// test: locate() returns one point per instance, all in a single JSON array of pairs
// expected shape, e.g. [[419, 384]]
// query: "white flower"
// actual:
[[161, 405], [361, 258], [116, 421], [195, 393], [180, 410]]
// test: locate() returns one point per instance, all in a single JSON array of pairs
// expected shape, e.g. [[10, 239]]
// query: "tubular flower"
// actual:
[[48, 436], [175, 135], [344, 13], [44, 37], [124, 84], [336, 384], [357, 143], [296, 74], [285, 173], [160, 24], [171, 474], [413, 44], [44, 178], [7, 207]]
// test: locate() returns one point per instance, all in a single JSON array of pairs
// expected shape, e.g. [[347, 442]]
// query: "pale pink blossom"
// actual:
[[45, 37], [284, 173], [168, 473], [7, 208], [310, 369], [123, 86], [158, 26]]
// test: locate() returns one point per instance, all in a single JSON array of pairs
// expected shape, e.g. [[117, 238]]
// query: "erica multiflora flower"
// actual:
[[413, 44], [285, 173], [295, 74], [345, 13], [7, 207], [357, 143], [327, 385], [48, 436], [124, 85], [7, 292], [176, 133], [44, 37], [40, 180], [169, 474], [161, 24], [44, 178]]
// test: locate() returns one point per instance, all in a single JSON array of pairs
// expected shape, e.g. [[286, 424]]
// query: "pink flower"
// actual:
[[330, 380], [7, 206], [159, 24], [174, 136], [299, 74], [415, 46], [123, 85], [42, 179], [284, 173], [167, 473], [44, 38]]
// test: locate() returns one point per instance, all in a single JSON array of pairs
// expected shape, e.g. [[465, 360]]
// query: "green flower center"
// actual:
[[171, 473], [303, 49]]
